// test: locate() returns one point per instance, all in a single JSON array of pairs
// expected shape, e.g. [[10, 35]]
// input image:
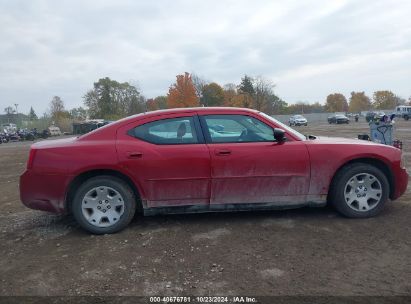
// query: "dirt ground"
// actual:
[[297, 252]]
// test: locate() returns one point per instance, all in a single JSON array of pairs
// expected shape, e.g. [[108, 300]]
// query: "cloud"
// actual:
[[310, 48]]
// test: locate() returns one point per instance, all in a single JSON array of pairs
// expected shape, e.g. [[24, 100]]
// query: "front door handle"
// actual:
[[134, 154], [223, 152]]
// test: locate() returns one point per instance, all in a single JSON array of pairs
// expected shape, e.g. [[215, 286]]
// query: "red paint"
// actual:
[[198, 174]]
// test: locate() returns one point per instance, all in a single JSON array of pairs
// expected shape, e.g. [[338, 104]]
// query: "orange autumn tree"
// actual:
[[182, 94]]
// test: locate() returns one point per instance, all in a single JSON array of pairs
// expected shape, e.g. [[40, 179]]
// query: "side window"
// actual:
[[172, 131], [237, 128]]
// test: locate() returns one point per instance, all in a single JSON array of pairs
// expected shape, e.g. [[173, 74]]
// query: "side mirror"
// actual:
[[279, 135]]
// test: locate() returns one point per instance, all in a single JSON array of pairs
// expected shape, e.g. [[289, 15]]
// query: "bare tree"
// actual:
[[264, 88], [199, 84]]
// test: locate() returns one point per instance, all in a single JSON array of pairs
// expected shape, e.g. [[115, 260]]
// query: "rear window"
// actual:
[[172, 131]]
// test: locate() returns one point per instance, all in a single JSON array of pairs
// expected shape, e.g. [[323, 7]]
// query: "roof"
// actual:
[[187, 110], [200, 109]]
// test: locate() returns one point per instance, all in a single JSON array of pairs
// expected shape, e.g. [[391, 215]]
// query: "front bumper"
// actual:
[[401, 183], [44, 192]]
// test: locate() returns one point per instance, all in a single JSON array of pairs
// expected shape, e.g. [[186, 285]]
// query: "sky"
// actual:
[[309, 49]]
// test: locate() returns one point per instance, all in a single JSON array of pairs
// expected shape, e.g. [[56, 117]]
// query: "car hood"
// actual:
[[341, 140], [53, 143]]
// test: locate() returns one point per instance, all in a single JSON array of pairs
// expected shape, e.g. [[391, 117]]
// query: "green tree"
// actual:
[[359, 102], [212, 95], [32, 114], [336, 103], [110, 99], [276, 105], [246, 88], [384, 100]]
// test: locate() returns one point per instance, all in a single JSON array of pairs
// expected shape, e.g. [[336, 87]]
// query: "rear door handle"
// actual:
[[134, 154], [222, 152]]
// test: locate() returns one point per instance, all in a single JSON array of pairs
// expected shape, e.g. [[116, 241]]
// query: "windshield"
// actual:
[[285, 127], [298, 116]]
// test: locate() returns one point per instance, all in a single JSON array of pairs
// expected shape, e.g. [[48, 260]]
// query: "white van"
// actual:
[[403, 111]]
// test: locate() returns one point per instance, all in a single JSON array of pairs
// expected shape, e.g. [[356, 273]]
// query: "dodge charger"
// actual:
[[203, 160]]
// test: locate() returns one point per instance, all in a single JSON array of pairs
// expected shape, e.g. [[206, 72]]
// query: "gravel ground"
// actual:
[[296, 252]]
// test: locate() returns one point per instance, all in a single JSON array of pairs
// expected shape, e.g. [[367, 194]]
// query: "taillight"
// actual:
[[31, 158]]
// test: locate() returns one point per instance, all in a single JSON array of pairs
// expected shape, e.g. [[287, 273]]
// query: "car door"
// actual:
[[168, 158], [249, 166]]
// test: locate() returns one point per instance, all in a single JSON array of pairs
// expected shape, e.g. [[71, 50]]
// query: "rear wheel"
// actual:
[[359, 191], [104, 204]]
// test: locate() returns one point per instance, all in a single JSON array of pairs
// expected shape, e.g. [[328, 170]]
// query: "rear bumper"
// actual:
[[44, 192], [401, 183]]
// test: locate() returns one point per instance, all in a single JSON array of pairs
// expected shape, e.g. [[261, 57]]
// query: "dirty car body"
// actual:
[[194, 160]]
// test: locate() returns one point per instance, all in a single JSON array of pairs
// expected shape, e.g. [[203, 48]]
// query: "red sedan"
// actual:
[[205, 159]]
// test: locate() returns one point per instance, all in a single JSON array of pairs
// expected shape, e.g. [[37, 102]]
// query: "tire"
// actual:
[[111, 210], [406, 117], [305, 124], [344, 197]]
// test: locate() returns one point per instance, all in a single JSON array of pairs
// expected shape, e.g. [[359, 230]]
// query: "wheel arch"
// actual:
[[380, 164], [82, 177]]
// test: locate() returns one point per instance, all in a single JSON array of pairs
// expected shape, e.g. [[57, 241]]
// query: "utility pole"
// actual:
[[17, 113]]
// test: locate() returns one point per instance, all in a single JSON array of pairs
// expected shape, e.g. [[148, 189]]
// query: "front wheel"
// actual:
[[359, 191], [104, 204]]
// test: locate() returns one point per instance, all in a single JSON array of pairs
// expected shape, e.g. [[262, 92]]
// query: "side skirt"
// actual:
[[229, 207]]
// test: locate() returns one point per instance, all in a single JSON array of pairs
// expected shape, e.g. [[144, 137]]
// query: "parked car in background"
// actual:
[[403, 111], [297, 120], [206, 159], [374, 115], [338, 119]]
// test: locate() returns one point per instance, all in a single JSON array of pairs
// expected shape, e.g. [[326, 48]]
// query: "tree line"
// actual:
[[358, 101], [109, 99]]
